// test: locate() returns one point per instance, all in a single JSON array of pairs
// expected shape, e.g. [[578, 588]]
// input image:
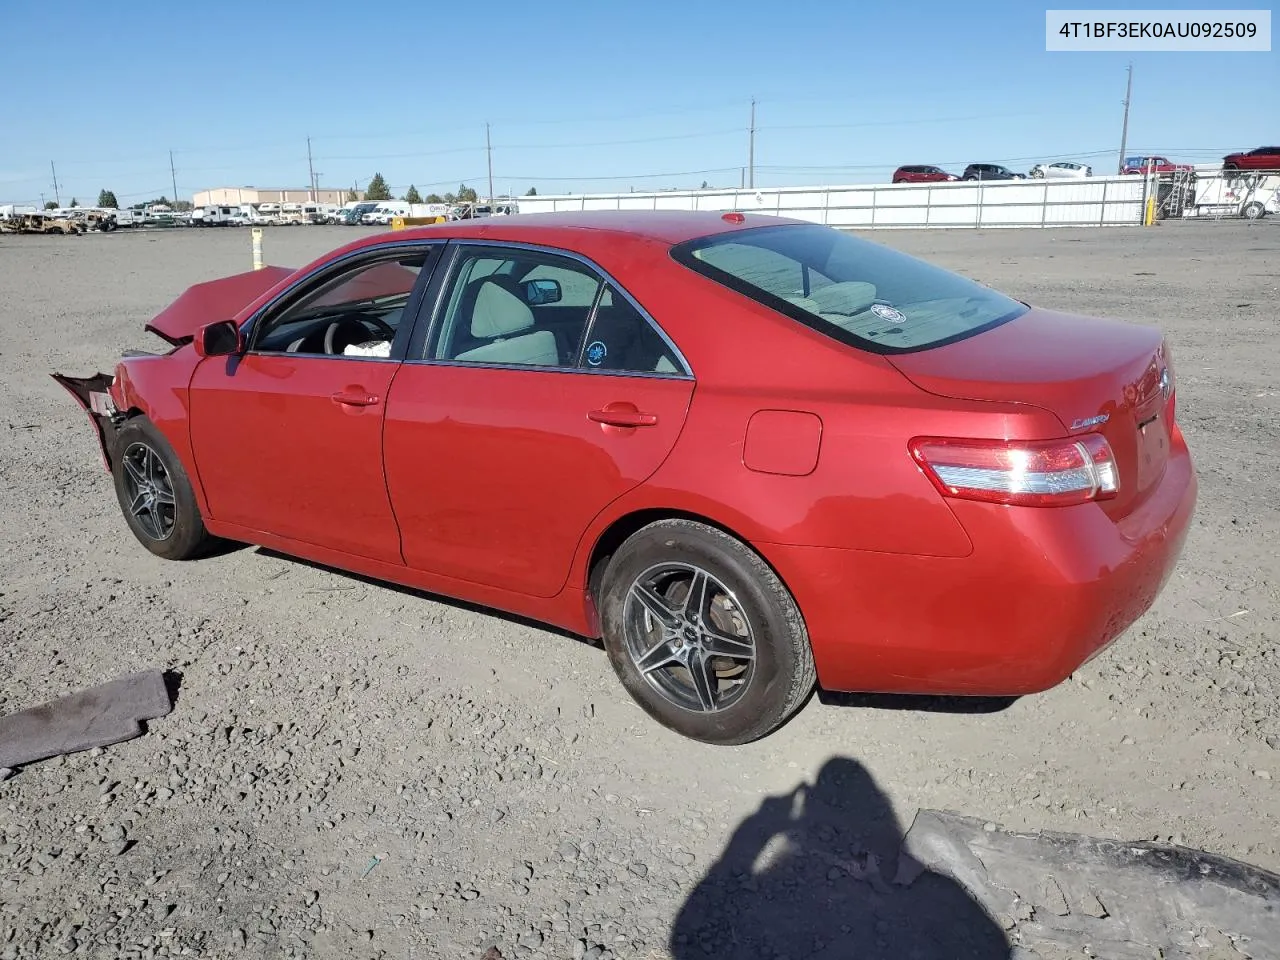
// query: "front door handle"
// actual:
[[618, 415], [354, 397]]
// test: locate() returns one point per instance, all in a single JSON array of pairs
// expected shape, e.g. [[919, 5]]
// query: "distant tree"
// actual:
[[351, 196], [74, 202], [466, 194], [434, 198], [412, 196], [533, 192], [182, 204], [377, 189], [107, 199], [704, 185], [50, 205]]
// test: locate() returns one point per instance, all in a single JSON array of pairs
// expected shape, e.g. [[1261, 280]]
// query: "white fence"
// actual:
[[1089, 201]]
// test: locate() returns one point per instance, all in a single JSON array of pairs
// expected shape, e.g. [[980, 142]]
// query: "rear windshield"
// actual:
[[853, 290]]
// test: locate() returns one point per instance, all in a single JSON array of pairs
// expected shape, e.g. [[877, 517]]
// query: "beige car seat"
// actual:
[[503, 319]]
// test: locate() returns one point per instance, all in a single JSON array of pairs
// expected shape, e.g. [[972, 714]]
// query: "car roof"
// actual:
[[661, 226]]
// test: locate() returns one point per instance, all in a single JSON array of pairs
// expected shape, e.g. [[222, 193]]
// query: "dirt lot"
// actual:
[[352, 770]]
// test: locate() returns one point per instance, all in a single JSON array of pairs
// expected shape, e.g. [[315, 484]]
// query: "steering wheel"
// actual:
[[331, 333]]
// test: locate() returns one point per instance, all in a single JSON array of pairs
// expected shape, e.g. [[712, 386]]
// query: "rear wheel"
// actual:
[[703, 634], [1253, 210], [155, 494]]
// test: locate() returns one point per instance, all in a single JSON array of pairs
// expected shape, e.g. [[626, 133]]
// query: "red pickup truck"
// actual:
[[1154, 165]]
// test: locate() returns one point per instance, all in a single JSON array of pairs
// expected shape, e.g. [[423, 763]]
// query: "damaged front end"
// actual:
[[94, 396]]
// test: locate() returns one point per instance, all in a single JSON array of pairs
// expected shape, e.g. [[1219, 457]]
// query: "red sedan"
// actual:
[[922, 173], [1263, 158], [746, 452]]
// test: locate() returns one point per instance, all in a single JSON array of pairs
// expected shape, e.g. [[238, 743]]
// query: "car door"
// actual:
[[516, 421], [288, 435]]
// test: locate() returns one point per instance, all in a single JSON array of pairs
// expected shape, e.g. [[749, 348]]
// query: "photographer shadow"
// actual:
[[809, 876]]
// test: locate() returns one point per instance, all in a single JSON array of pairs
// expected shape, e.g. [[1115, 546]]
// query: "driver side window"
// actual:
[[356, 312]]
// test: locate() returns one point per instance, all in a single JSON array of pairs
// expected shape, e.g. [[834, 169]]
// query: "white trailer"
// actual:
[[1233, 193], [10, 211]]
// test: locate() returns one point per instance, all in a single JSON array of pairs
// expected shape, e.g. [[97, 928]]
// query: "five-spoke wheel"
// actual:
[[154, 493], [703, 634], [150, 491]]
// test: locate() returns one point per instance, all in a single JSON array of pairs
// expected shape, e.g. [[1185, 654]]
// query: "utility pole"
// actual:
[[311, 173], [173, 177], [57, 199], [1124, 130], [751, 147], [488, 149]]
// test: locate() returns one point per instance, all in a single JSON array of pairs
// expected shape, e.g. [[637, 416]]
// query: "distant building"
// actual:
[[234, 196]]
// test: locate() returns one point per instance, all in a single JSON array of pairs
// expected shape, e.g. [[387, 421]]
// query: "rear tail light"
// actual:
[[1028, 473]]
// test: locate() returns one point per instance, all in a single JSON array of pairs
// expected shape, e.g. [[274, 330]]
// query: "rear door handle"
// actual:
[[623, 418], [354, 397]]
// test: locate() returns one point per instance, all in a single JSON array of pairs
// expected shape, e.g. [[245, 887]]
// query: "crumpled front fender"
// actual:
[[94, 396]]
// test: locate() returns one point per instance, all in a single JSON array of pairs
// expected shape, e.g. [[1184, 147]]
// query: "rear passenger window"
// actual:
[[511, 307], [621, 339]]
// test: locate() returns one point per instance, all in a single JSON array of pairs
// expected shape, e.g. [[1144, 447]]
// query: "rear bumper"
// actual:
[[1044, 591]]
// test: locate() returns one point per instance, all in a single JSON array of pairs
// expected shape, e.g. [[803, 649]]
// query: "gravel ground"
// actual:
[[353, 770]]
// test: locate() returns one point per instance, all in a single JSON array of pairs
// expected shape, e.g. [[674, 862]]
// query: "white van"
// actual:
[[385, 211]]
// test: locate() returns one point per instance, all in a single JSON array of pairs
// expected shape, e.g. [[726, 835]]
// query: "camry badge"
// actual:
[[1090, 421]]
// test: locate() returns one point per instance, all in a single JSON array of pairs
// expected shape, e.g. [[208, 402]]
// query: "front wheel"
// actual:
[[703, 634], [1253, 210], [155, 494]]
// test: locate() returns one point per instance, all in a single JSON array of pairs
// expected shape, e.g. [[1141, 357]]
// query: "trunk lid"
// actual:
[[215, 300], [1104, 376]]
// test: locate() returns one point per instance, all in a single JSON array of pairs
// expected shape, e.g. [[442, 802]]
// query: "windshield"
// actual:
[[853, 290]]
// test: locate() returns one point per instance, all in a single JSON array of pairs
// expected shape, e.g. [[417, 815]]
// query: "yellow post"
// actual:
[[397, 223], [257, 248], [1150, 217]]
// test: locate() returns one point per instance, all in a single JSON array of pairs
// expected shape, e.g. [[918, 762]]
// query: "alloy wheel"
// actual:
[[149, 490], [690, 638]]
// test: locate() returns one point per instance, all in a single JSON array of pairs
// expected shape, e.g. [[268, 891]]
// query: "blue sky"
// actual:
[[583, 95]]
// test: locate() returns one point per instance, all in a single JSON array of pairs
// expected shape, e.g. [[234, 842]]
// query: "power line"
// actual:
[[634, 176], [897, 123], [703, 134]]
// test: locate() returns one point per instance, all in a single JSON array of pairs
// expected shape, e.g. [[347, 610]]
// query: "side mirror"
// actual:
[[217, 339], [539, 292]]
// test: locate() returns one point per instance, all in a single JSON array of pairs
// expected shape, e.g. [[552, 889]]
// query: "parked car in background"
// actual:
[[746, 452], [385, 211], [353, 214], [921, 173], [1061, 169], [1263, 158], [990, 171], [1154, 164]]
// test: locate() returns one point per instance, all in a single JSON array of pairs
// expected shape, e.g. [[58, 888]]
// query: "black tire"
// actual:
[[173, 530], [767, 689], [1253, 210]]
